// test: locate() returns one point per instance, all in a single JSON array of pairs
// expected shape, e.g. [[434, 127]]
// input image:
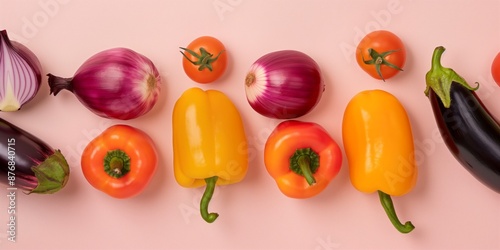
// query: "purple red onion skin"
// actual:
[[292, 81], [23, 72], [116, 83]]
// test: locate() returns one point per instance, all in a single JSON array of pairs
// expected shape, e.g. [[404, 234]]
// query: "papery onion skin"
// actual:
[[284, 84], [20, 74], [117, 83]]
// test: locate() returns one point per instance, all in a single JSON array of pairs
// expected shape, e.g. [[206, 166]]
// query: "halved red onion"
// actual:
[[116, 83], [284, 84], [20, 74]]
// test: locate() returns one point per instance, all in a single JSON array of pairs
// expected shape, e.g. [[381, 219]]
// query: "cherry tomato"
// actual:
[[204, 59], [381, 54], [120, 161], [495, 69]]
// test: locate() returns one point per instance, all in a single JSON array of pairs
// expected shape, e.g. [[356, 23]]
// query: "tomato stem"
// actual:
[[378, 59], [204, 58], [205, 199], [388, 206], [305, 162], [116, 163]]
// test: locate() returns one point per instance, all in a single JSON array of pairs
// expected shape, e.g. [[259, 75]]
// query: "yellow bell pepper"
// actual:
[[378, 143], [209, 143]]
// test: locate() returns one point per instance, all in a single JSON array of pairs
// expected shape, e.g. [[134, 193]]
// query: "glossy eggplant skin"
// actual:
[[471, 133], [31, 163]]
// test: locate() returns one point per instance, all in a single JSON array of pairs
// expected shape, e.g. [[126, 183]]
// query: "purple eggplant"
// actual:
[[28, 163], [468, 129]]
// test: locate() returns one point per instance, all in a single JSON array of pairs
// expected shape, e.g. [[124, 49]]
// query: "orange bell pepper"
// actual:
[[378, 143], [120, 161], [302, 158]]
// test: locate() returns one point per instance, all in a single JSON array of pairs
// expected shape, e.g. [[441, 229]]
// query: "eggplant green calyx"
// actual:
[[378, 59], [439, 79], [203, 59], [305, 162], [52, 174], [205, 200]]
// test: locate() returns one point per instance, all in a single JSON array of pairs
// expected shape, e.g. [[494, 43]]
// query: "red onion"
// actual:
[[284, 84], [116, 83], [20, 74]]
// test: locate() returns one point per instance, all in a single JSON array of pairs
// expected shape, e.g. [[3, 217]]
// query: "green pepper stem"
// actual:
[[116, 163], [305, 166], [207, 196], [305, 162], [388, 206]]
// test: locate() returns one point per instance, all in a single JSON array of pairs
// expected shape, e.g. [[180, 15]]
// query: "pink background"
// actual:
[[450, 209]]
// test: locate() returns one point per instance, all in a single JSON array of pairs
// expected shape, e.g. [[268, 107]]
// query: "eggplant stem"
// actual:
[[52, 174], [439, 79]]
